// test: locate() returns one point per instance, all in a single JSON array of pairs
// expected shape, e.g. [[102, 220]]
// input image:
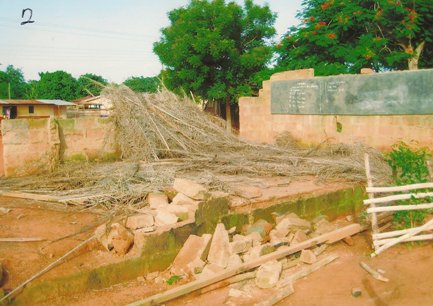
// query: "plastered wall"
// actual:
[[257, 124], [34, 145]]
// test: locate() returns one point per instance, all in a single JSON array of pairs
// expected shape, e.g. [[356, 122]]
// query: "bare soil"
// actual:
[[408, 267]]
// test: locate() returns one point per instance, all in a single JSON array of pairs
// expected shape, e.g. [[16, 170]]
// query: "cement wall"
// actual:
[[34, 145], [258, 124]]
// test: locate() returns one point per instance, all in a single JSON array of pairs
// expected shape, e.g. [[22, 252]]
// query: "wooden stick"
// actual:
[[373, 272], [411, 233], [378, 243], [31, 196], [374, 225], [400, 207], [399, 188], [384, 227], [281, 295], [47, 268], [398, 197], [307, 270], [395, 233], [198, 284], [21, 239]]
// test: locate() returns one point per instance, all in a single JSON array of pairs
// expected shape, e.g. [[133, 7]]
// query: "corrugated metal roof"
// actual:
[[36, 102], [21, 102], [57, 102]]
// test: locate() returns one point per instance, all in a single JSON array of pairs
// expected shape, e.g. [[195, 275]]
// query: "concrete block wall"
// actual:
[[257, 124], [34, 145]]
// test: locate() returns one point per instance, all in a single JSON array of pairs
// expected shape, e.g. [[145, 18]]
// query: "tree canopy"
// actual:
[[215, 49], [87, 86], [56, 85], [343, 36], [143, 84], [13, 77]]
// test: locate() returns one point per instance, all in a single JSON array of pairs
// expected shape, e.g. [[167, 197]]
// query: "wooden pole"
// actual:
[[378, 243], [400, 207], [370, 195], [47, 268], [171, 294], [398, 197], [399, 188]]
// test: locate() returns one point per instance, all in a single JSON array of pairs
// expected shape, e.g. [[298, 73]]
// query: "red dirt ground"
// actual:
[[409, 267]]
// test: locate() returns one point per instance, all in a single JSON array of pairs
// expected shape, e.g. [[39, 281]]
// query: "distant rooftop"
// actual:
[[36, 102]]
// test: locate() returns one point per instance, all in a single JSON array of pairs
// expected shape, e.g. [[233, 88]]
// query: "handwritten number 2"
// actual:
[[30, 17]]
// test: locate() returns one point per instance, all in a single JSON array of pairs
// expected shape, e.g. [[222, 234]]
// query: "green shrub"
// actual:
[[409, 166]]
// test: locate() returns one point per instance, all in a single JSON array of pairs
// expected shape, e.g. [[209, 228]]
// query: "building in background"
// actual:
[[19, 109]]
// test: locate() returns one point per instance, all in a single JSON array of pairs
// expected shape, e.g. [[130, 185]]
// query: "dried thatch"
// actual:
[[162, 135]]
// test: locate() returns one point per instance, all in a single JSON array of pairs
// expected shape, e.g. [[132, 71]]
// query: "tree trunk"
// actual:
[[414, 59], [228, 115]]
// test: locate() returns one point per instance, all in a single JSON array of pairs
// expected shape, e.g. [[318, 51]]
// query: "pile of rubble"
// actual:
[[202, 257], [164, 210], [259, 257]]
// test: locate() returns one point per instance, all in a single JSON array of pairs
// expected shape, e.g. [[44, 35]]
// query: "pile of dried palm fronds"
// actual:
[[162, 135]]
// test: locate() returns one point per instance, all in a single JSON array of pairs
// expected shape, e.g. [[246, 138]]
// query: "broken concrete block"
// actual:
[[256, 237], [299, 237], [276, 238], [267, 249], [268, 274], [291, 222], [219, 251], [189, 188], [210, 270], [323, 226], [157, 200], [248, 192], [139, 221], [234, 261], [193, 250], [164, 217], [181, 199], [120, 238], [181, 211], [101, 234], [196, 266], [262, 227], [308, 257], [241, 244]]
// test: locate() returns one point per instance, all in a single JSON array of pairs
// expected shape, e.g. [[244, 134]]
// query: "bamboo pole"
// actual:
[[400, 207], [378, 243], [395, 233], [398, 197], [374, 225], [412, 232], [47, 268], [20, 239], [399, 188]]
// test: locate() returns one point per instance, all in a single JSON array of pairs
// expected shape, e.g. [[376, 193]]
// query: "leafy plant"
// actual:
[[174, 279], [409, 166]]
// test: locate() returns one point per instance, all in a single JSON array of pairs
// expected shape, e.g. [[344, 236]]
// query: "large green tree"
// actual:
[[215, 49], [143, 84], [90, 84], [12, 82], [343, 36], [56, 85]]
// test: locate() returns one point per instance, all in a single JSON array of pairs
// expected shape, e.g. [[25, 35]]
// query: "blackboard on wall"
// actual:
[[392, 93]]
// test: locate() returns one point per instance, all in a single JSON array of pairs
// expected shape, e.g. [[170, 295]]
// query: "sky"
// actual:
[[110, 38]]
